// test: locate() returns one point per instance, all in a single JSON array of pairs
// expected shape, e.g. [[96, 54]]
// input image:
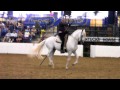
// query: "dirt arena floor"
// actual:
[[22, 67]]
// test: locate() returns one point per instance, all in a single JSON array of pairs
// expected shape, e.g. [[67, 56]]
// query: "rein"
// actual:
[[81, 36]]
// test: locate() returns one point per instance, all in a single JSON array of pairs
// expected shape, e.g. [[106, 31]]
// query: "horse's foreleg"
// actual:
[[68, 59], [77, 57]]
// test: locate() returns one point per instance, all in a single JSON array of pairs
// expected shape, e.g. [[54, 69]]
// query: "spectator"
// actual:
[[38, 27], [4, 31], [13, 36], [7, 37], [19, 37], [2, 25], [0, 34], [27, 35], [33, 32], [19, 25], [43, 34], [15, 27], [12, 20], [11, 27], [7, 24]]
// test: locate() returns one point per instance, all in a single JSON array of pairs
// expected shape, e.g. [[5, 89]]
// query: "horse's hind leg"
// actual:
[[50, 56], [77, 57]]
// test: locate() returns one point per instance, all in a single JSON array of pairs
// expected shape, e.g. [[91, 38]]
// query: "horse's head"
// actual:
[[83, 36], [79, 35]]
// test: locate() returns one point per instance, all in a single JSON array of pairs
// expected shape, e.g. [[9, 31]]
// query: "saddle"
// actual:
[[58, 40]]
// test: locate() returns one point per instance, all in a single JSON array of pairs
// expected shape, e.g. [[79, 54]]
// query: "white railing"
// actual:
[[25, 48], [104, 51], [95, 50]]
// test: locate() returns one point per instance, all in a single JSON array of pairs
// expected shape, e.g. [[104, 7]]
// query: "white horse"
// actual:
[[52, 45]]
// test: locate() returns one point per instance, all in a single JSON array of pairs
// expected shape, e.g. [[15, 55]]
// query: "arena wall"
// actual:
[[95, 50], [25, 48], [104, 51]]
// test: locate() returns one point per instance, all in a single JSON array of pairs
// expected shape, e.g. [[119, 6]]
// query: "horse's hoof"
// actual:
[[66, 68], [49, 65]]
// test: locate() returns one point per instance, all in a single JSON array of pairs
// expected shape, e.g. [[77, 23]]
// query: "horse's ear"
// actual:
[[83, 30]]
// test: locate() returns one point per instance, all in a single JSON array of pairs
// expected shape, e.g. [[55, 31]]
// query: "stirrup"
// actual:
[[62, 51]]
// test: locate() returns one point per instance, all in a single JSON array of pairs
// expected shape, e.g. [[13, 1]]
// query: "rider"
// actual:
[[62, 32]]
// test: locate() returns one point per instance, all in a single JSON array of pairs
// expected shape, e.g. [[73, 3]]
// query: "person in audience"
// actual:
[[19, 37], [0, 34], [7, 37], [43, 35], [27, 35], [13, 36], [33, 32], [2, 25], [4, 30], [19, 25], [11, 27]]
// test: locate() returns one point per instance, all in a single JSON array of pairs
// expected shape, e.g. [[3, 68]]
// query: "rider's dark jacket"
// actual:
[[61, 27]]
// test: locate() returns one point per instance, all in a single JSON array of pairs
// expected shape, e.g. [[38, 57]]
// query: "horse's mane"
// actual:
[[76, 31]]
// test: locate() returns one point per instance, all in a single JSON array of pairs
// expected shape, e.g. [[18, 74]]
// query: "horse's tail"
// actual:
[[36, 50]]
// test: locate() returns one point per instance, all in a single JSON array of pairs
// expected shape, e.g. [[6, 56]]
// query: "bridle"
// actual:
[[81, 37]]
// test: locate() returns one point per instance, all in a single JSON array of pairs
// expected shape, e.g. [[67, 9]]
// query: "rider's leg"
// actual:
[[62, 44], [66, 38]]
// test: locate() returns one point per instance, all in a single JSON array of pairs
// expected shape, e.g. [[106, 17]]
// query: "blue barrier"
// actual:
[[50, 21]]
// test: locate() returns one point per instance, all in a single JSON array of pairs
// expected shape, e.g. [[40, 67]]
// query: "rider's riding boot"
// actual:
[[65, 50], [62, 51]]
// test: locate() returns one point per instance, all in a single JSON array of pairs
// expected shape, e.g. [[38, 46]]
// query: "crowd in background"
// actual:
[[12, 31]]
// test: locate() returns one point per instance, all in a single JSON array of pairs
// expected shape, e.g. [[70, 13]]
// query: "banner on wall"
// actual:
[[54, 22], [102, 39], [42, 20]]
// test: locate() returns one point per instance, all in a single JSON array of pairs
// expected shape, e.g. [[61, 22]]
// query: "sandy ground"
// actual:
[[22, 67]]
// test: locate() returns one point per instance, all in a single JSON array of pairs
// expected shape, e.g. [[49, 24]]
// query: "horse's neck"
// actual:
[[75, 35]]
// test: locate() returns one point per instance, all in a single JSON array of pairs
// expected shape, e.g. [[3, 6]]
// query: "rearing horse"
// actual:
[[52, 45]]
